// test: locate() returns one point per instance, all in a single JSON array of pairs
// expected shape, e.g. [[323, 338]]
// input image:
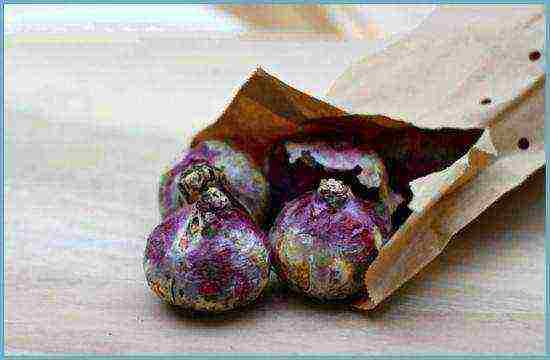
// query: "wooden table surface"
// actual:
[[89, 127]]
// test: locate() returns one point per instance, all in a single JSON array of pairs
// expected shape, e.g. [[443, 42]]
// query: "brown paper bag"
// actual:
[[480, 169], [467, 66]]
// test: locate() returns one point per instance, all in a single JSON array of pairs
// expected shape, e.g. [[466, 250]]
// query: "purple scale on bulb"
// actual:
[[323, 241], [208, 256], [214, 163]]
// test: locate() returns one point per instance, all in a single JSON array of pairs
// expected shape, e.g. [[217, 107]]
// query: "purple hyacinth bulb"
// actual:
[[323, 241], [298, 167], [208, 256], [214, 163]]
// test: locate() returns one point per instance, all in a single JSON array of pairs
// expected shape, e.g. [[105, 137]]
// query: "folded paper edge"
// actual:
[[482, 155]]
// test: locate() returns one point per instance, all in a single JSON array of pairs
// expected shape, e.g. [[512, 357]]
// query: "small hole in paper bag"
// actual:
[[534, 55], [485, 101], [523, 143]]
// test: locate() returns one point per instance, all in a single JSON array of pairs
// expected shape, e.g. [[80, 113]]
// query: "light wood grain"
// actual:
[[88, 130]]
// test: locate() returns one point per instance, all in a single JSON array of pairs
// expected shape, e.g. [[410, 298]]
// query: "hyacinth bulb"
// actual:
[[323, 241], [217, 164], [298, 167], [208, 256]]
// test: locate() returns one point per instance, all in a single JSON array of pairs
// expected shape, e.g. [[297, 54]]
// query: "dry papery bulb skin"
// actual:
[[214, 163], [323, 241], [208, 256]]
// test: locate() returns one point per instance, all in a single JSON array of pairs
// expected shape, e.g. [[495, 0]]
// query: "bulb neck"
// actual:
[[195, 180], [335, 193]]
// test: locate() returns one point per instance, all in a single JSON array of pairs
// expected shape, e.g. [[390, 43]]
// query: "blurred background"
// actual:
[[110, 65], [308, 21]]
